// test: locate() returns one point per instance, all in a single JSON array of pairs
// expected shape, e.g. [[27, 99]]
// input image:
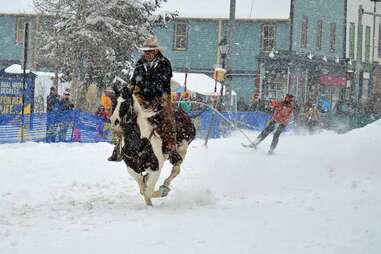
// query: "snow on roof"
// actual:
[[17, 7], [245, 9], [15, 69], [196, 82]]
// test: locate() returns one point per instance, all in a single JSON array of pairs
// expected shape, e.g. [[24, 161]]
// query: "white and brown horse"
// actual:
[[142, 147]]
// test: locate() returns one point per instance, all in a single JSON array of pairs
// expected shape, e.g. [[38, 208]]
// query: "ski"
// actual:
[[248, 145]]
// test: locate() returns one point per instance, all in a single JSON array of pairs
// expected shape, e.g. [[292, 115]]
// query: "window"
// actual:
[[333, 37], [352, 39], [20, 29], [276, 90], [181, 36], [304, 38], [367, 44], [268, 37], [319, 33]]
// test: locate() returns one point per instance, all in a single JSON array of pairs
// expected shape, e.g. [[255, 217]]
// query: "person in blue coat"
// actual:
[[66, 116], [52, 111]]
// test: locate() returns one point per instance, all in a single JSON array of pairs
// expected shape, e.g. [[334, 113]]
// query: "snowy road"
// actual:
[[317, 194]]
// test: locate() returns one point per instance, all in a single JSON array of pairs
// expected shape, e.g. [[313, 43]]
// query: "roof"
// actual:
[[211, 9], [17, 7], [196, 82], [216, 9], [15, 70]]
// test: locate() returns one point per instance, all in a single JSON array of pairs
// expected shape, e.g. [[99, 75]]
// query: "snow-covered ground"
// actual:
[[317, 194]]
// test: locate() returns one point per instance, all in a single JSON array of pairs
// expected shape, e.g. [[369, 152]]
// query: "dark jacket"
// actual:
[[53, 103], [153, 79], [66, 104]]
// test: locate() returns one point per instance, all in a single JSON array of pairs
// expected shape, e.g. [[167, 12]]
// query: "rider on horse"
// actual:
[[151, 83]]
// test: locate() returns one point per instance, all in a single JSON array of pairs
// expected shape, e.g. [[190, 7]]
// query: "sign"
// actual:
[[11, 93], [333, 81]]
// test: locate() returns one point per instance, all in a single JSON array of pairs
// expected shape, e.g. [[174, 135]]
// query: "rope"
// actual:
[[225, 119]]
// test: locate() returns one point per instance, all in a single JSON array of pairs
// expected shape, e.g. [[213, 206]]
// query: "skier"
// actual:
[[280, 118]]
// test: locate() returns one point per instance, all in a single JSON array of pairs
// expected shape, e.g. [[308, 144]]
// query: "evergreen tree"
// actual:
[[92, 41]]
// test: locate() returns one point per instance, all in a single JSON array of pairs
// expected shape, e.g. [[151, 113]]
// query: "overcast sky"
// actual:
[[192, 8]]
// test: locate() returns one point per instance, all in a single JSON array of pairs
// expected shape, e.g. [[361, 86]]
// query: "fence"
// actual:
[[77, 126]]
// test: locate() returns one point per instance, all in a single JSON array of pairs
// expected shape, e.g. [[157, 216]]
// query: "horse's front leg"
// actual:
[[139, 178], [150, 181], [164, 189]]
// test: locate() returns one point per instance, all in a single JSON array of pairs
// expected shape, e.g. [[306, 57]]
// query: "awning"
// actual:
[[333, 81], [196, 82]]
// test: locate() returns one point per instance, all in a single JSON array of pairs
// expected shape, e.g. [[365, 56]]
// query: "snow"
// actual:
[[196, 82], [245, 9], [317, 194], [17, 7], [15, 69]]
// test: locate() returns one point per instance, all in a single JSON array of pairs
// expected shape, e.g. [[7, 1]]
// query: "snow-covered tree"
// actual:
[[92, 41]]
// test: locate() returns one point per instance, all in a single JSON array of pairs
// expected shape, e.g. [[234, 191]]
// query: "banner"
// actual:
[[11, 93]]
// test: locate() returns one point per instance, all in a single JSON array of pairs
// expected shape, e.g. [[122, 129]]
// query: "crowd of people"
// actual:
[[59, 117]]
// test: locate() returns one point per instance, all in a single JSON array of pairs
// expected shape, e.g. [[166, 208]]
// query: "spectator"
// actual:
[[66, 106], [241, 104], [310, 117], [102, 113], [101, 123], [108, 100], [52, 109], [256, 104]]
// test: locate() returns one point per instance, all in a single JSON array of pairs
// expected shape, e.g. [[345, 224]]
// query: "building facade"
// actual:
[[192, 43], [12, 29], [313, 69], [368, 51]]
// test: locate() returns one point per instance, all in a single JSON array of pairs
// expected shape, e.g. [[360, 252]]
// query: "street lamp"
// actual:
[[223, 46]]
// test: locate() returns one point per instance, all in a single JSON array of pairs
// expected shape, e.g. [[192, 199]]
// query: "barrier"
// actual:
[[77, 126]]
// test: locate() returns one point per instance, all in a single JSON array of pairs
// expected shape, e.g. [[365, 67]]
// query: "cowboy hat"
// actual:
[[151, 43]]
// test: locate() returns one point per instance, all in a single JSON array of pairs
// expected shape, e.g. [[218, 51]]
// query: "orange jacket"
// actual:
[[282, 112], [106, 102]]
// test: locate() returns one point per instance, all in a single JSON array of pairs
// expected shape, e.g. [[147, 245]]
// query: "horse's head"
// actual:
[[123, 109]]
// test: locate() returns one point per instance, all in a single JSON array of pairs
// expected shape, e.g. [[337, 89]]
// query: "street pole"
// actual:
[[358, 54], [24, 80], [230, 44]]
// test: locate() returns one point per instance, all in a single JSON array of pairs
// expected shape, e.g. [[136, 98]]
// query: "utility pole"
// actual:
[[26, 37], [358, 86], [230, 44]]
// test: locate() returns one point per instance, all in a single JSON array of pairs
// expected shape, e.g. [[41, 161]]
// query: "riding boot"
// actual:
[[169, 131], [175, 157], [115, 155]]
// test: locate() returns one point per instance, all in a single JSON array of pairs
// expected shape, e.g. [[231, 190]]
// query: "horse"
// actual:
[[141, 145]]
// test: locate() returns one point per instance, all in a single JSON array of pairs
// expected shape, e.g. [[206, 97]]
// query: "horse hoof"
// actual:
[[164, 190]]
